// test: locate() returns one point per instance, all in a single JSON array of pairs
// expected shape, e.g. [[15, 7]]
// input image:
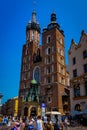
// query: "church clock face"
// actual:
[[37, 75]]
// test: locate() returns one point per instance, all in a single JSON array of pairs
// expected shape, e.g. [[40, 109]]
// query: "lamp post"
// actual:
[[0, 101]]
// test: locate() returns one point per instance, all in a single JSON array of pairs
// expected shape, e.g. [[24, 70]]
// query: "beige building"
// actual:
[[10, 107], [78, 73]]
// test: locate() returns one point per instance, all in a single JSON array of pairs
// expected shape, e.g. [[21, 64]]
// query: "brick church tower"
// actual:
[[54, 67], [43, 69]]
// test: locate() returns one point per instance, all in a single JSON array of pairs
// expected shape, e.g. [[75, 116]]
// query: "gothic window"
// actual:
[[33, 35], [48, 60], [62, 70], [38, 57], [29, 57], [28, 35], [76, 91], [62, 80], [48, 70], [52, 67], [52, 58], [38, 52], [52, 78], [52, 48], [37, 75], [48, 50], [49, 99], [48, 39], [34, 58], [44, 80], [45, 60], [48, 80], [61, 60], [26, 51], [44, 70], [60, 40]]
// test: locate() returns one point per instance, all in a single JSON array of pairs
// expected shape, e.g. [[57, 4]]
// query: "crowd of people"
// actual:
[[25, 123]]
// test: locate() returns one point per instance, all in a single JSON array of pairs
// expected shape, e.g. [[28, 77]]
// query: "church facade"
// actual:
[[43, 77]]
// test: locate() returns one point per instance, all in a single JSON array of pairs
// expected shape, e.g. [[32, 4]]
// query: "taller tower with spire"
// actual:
[[33, 30], [30, 69]]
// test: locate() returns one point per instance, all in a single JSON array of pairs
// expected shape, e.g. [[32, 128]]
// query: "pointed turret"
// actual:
[[33, 17], [53, 18], [33, 25], [53, 24]]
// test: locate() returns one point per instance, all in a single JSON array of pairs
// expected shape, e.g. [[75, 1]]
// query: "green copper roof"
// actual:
[[34, 81]]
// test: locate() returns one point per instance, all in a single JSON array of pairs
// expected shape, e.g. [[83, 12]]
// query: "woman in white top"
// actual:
[[39, 123]]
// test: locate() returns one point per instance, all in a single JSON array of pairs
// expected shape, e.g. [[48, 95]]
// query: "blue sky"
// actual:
[[14, 16]]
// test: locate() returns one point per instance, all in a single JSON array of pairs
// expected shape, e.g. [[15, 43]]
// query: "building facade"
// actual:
[[43, 78], [10, 107], [78, 73]]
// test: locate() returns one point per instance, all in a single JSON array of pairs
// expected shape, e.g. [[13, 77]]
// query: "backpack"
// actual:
[[14, 128], [30, 127]]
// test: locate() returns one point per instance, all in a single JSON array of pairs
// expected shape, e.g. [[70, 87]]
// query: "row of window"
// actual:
[[49, 69], [33, 35], [77, 90], [51, 79], [49, 39], [75, 70], [26, 67], [50, 50], [84, 56], [25, 76], [50, 59], [26, 59]]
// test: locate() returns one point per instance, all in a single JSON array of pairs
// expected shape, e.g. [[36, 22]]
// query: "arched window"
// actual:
[[37, 74], [48, 38], [77, 107]]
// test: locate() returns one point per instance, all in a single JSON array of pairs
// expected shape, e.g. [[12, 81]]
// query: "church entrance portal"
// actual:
[[25, 111], [33, 111]]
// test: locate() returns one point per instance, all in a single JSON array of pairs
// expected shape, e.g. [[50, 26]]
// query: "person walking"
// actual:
[[31, 124], [56, 126], [49, 125], [39, 123], [66, 123]]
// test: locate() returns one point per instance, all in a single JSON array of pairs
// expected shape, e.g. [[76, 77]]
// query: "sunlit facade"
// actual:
[[43, 78], [78, 73]]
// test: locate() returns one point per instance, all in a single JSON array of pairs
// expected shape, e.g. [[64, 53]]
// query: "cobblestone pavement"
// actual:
[[76, 128], [70, 128], [4, 128]]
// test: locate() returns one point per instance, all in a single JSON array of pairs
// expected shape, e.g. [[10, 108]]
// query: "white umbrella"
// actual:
[[85, 111]]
